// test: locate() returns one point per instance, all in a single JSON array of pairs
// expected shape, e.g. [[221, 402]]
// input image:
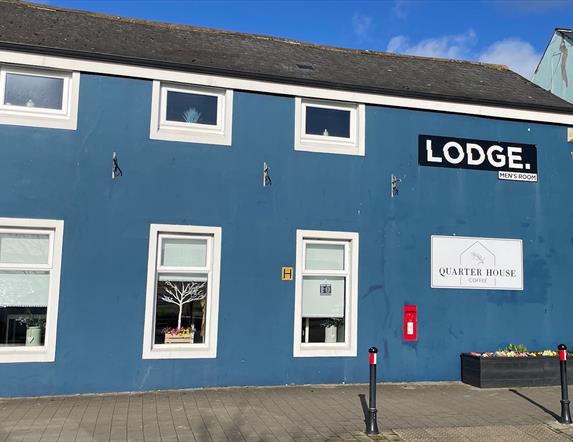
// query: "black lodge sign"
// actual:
[[512, 161]]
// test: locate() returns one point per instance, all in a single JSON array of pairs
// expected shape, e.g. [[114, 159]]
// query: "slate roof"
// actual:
[[53, 30]]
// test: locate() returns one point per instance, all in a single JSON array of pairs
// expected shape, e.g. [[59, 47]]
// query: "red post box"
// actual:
[[410, 323]]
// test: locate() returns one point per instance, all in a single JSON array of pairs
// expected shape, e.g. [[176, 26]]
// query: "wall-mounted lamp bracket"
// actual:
[[394, 181], [115, 169], [266, 175]]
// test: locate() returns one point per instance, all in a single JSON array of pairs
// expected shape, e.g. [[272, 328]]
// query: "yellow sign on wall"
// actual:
[[287, 273]]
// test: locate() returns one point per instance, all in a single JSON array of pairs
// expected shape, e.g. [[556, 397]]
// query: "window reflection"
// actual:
[[327, 122], [33, 91], [180, 310], [187, 107]]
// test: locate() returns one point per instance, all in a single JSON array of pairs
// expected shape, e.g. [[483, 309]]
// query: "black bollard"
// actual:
[[565, 412], [371, 418]]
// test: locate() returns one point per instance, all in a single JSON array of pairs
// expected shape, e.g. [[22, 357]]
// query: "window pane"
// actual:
[[24, 288], [191, 108], [182, 252], [22, 326], [327, 122], [16, 248], [324, 257], [323, 297], [181, 307], [323, 330], [34, 91]]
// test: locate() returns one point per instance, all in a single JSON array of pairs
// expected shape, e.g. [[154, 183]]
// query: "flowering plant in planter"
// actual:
[[514, 351], [512, 366], [179, 335], [181, 331]]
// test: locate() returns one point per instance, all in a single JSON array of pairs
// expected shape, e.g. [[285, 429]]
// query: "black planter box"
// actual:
[[496, 371]]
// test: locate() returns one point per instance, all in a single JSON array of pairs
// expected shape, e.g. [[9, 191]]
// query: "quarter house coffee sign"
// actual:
[[477, 263], [512, 161]]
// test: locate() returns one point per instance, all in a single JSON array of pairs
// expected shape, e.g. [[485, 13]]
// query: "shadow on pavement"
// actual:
[[537, 404], [364, 406]]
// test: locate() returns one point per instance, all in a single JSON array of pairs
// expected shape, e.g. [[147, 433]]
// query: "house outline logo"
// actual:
[[478, 258]]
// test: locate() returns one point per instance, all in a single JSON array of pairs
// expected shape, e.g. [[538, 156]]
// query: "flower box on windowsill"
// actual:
[[179, 339]]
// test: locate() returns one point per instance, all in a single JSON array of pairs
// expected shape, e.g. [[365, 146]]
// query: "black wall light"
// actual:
[[394, 181], [115, 169], [266, 175]]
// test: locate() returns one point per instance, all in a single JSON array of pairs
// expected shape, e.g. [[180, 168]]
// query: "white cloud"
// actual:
[[516, 54], [447, 46], [397, 44], [361, 24], [520, 56], [401, 8]]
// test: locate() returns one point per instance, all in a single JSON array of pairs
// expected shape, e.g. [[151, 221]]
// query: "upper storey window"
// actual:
[[191, 108], [327, 122], [192, 114], [41, 98], [34, 91], [329, 127]]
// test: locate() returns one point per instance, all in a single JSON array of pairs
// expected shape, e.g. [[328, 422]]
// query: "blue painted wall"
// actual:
[[66, 175], [555, 70]]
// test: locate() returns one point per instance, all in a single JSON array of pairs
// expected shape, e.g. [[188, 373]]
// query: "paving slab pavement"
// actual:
[[407, 412]]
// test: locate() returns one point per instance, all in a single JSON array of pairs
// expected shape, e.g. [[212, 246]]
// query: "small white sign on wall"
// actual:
[[477, 263]]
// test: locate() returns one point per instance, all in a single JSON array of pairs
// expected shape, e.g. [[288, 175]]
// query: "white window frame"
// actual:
[[55, 230], [65, 118], [354, 145], [162, 129], [207, 349], [318, 349]]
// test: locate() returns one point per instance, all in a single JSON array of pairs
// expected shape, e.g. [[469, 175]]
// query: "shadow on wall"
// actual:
[[537, 283]]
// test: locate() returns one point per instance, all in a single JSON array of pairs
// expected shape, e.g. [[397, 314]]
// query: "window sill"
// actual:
[[25, 354], [329, 146], [191, 136], [180, 351], [37, 119], [324, 350]]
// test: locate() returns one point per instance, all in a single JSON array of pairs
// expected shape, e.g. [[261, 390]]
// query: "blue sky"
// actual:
[[511, 32]]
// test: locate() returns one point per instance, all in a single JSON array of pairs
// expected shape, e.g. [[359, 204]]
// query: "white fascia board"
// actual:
[[124, 70]]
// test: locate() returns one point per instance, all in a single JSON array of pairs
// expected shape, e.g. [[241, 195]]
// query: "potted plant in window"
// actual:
[[34, 327], [192, 115], [181, 335], [181, 294], [331, 327]]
